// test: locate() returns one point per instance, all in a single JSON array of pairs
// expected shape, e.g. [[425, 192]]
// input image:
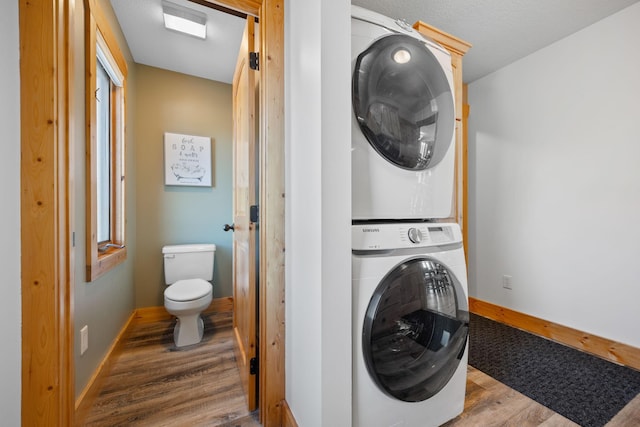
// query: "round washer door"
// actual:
[[403, 102], [415, 332]]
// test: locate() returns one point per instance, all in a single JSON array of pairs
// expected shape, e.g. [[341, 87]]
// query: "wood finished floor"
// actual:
[[154, 384], [491, 403]]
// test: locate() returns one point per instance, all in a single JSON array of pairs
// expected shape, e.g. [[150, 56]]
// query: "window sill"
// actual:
[[106, 261]]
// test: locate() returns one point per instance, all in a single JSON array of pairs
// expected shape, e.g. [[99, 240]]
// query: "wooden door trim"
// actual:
[[47, 396], [271, 294], [47, 264]]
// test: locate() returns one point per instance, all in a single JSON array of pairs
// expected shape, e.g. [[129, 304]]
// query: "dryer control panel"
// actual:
[[403, 235]]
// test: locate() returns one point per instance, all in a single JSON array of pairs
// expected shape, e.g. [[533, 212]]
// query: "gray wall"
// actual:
[[172, 102], [554, 182], [105, 304], [10, 215]]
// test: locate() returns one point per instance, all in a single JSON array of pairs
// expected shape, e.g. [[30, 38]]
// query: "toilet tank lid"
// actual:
[[194, 247]]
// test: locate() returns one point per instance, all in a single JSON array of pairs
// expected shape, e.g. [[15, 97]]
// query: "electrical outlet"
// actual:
[[84, 339], [506, 282]]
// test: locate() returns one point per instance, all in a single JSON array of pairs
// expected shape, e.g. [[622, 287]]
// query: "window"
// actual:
[[103, 153], [105, 101]]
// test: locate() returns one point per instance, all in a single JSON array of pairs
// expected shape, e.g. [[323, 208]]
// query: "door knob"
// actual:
[[228, 227]]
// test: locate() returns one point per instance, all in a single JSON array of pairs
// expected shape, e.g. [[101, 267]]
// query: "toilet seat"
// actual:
[[188, 290]]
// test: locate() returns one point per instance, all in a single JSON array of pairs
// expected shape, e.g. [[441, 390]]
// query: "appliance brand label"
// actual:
[[370, 230]]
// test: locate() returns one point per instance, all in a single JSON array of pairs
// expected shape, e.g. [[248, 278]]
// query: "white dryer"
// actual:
[[403, 122], [410, 324]]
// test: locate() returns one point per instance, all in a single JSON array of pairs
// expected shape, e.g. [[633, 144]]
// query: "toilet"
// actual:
[[188, 270]]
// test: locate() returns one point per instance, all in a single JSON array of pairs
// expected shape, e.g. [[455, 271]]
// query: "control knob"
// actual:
[[415, 235]]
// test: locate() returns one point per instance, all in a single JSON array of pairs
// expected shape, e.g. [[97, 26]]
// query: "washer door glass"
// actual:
[[415, 332], [403, 102]]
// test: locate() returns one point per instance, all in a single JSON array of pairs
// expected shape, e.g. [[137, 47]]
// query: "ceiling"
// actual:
[[151, 44], [500, 31]]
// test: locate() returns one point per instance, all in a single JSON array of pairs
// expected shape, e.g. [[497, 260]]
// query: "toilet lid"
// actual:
[[188, 290]]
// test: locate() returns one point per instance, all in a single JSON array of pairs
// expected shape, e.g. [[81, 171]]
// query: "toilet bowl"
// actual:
[[186, 299], [188, 270]]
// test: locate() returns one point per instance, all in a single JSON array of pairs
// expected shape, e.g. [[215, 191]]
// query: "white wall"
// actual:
[[555, 183], [10, 317], [318, 211]]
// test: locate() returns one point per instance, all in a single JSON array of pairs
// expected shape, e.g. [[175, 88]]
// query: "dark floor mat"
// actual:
[[584, 388]]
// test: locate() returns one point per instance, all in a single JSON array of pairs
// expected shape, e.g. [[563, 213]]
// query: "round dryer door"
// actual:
[[403, 102], [415, 332]]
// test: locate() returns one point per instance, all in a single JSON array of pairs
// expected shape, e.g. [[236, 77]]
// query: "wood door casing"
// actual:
[[244, 236], [46, 215]]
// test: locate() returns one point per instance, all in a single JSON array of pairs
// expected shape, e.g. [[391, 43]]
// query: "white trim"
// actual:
[[108, 62]]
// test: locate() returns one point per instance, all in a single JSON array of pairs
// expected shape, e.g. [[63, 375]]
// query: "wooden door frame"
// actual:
[[46, 184], [46, 265]]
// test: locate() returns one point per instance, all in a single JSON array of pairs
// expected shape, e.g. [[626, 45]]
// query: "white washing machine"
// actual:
[[403, 123], [410, 324]]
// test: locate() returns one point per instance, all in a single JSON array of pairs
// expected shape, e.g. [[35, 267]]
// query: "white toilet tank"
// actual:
[[194, 261]]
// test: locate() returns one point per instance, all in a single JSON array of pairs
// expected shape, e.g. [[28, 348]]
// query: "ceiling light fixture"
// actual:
[[184, 20]]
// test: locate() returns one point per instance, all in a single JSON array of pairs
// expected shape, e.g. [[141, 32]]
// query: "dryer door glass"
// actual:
[[415, 330], [403, 102]]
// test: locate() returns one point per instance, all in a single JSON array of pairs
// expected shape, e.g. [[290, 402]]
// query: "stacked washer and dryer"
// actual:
[[410, 301]]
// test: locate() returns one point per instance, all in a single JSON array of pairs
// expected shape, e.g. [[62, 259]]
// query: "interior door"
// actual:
[[244, 237]]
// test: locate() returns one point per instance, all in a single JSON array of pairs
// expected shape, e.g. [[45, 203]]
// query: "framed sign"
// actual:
[[187, 160]]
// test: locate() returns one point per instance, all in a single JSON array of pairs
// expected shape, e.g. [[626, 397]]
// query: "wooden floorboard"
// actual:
[[628, 416], [152, 383], [491, 403]]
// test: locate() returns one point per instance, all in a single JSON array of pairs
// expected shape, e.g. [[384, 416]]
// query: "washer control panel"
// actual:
[[403, 235]]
